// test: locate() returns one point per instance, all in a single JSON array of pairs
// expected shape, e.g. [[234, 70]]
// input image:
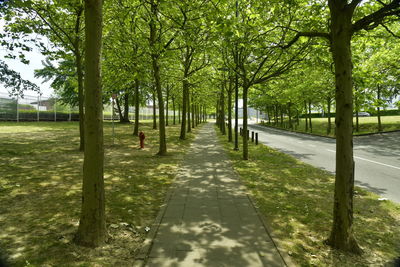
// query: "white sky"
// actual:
[[26, 71]]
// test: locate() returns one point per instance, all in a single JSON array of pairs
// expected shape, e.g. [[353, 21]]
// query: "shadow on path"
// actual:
[[209, 219]]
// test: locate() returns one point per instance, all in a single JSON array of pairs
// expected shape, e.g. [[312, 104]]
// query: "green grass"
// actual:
[[366, 125], [297, 200], [40, 192]]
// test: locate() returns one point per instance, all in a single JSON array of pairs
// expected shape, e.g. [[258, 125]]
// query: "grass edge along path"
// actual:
[[40, 191], [297, 199], [368, 125]]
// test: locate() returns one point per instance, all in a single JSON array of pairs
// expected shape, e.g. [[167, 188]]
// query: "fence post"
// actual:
[[256, 138], [252, 136], [17, 109]]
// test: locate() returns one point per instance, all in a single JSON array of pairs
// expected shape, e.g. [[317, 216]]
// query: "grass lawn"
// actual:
[[40, 192], [366, 125], [297, 200]]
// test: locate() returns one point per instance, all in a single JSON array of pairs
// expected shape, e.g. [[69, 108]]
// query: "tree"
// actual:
[[257, 61], [340, 33], [92, 225], [61, 23]]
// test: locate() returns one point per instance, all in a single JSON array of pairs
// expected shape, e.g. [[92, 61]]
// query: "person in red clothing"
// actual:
[[141, 138]]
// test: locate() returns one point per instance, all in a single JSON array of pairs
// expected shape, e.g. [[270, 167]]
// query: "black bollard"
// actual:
[[252, 136], [256, 138]]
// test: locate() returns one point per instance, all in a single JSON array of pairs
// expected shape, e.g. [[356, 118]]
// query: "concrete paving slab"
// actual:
[[209, 219]]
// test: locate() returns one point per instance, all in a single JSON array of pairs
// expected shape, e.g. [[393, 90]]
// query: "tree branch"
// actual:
[[374, 19], [306, 34]]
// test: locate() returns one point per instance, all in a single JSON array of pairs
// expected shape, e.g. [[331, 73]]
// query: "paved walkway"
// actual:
[[208, 219]]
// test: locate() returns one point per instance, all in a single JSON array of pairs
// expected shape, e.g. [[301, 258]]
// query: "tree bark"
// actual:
[[184, 105], [126, 108], [342, 236], [245, 140], [179, 113], [92, 225], [80, 100], [306, 114], [119, 110], [154, 111], [193, 111], [137, 106], [269, 115], [378, 109], [173, 108], [236, 112], [189, 124], [290, 115], [79, 70], [309, 114], [166, 106], [230, 111], [222, 108]]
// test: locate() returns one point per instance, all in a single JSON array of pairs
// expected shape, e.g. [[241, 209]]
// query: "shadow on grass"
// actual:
[[40, 192], [297, 200]]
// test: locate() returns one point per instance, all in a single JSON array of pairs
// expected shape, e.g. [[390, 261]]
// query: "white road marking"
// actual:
[[383, 164]]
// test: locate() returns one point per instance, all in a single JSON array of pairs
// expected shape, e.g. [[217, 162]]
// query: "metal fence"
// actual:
[[35, 108], [39, 108]]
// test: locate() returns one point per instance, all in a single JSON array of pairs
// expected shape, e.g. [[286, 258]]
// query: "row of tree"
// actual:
[[201, 55]]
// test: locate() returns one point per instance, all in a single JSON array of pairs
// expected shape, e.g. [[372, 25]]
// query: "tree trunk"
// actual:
[[179, 113], [166, 106], [92, 224], [269, 115], [137, 106], [154, 111], [189, 125], [230, 111], [236, 112], [281, 113], [184, 105], [290, 115], [119, 110], [157, 81], [306, 114], [193, 111], [342, 236], [309, 114], [328, 103], [222, 108], [378, 109], [79, 70], [126, 108], [173, 108], [245, 140]]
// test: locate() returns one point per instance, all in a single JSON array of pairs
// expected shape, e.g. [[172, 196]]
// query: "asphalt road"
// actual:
[[377, 157]]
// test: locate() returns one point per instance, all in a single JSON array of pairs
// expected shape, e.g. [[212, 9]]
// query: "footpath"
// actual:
[[208, 219]]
